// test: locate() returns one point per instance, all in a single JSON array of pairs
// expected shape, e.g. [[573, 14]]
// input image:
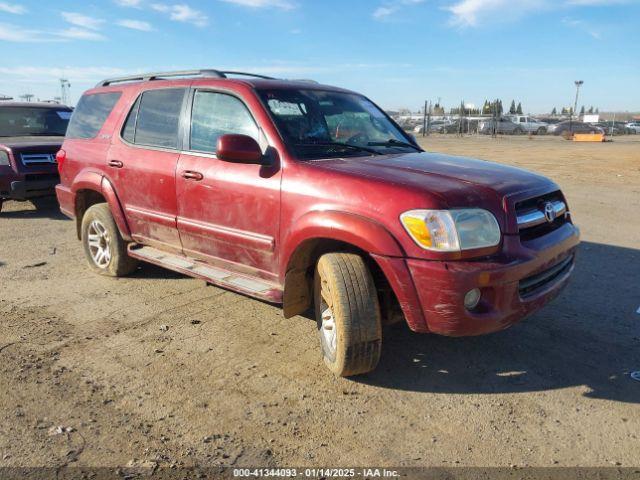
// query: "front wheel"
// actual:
[[104, 247], [347, 314]]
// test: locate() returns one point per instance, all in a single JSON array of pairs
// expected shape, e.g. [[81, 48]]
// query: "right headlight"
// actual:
[[452, 230], [4, 158]]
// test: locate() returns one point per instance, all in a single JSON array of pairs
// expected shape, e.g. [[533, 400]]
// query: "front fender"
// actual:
[[308, 234], [346, 227]]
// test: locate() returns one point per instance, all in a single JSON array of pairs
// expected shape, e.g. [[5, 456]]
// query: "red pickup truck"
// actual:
[[30, 136], [309, 196]]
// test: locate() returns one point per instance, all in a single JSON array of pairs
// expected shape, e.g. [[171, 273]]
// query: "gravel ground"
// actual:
[[160, 369]]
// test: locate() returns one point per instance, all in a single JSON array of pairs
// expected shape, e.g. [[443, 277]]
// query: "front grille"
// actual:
[[534, 283], [38, 158], [532, 222]]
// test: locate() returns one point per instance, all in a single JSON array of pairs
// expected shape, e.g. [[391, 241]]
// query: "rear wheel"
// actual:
[[104, 247], [347, 314], [542, 131]]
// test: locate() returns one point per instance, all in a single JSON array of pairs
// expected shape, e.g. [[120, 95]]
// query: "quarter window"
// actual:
[[90, 114], [154, 119], [216, 114]]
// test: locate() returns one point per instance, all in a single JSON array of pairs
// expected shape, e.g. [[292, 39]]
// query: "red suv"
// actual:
[[307, 196]]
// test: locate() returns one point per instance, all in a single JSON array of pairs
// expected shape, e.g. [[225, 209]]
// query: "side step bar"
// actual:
[[252, 286]]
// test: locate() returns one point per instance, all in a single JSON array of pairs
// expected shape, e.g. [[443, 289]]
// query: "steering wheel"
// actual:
[[358, 138]]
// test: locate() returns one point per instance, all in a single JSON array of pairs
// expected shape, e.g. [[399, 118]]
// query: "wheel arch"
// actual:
[[323, 232], [91, 188]]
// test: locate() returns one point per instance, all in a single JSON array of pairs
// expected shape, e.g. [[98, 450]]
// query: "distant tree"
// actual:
[[512, 108], [564, 111], [582, 111], [570, 110], [597, 110], [591, 110], [519, 109], [554, 112], [500, 109]]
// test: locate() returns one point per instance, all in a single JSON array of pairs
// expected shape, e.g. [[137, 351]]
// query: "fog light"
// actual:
[[472, 298]]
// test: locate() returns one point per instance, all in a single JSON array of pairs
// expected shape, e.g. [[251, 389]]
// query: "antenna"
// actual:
[[64, 90]]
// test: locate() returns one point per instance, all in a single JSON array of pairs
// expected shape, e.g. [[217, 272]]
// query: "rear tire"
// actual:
[[104, 248], [542, 131], [347, 314]]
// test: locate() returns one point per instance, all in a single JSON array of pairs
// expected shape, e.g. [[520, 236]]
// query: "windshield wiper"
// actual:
[[339, 144], [392, 142]]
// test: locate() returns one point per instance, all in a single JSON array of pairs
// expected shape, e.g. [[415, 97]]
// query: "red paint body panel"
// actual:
[[252, 219]]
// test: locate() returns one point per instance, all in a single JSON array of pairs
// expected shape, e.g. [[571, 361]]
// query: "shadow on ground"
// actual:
[[46, 207], [589, 337]]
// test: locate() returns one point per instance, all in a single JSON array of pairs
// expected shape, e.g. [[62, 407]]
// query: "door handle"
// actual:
[[191, 175], [116, 164]]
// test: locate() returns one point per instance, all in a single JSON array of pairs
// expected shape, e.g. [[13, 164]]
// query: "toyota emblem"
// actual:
[[549, 212]]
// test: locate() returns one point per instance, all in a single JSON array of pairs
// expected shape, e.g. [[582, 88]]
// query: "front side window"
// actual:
[[90, 114], [157, 121], [323, 123], [216, 114]]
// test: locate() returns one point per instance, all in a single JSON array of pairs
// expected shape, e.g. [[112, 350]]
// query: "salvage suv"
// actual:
[[309, 196], [30, 136]]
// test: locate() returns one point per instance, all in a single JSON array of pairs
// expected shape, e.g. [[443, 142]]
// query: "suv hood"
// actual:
[[458, 181]]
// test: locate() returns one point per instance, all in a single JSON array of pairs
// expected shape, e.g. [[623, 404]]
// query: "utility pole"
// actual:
[[27, 97], [578, 83], [424, 119], [64, 90]]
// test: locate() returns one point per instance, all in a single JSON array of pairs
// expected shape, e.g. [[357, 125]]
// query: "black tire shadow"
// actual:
[[587, 337], [47, 207]]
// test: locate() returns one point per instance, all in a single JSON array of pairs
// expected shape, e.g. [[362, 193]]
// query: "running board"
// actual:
[[252, 286]]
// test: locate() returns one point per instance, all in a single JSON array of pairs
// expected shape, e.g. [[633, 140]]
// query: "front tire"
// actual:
[[348, 314], [104, 248]]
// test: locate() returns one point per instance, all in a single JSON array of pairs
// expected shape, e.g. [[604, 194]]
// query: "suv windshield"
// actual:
[[36, 121], [324, 124]]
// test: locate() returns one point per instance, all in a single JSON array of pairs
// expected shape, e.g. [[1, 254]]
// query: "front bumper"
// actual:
[[518, 283], [22, 188]]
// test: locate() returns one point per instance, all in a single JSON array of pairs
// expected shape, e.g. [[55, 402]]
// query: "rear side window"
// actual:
[[90, 114], [216, 114], [154, 119]]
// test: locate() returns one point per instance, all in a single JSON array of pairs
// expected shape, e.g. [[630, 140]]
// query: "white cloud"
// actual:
[[12, 33], [82, 21], [597, 2], [583, 27], [182, 13], [129, 3], [470, 13], [391, 7], [75, 33], [282, 4], [12, 8], [135, 25]]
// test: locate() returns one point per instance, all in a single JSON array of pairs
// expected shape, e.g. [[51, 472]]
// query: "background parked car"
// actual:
[[30, 135], [633, 127], [530, 124], [503, 126], [614, 128], [574, 126]]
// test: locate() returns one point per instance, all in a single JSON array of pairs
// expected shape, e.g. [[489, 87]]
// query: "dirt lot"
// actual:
[[232, 382]]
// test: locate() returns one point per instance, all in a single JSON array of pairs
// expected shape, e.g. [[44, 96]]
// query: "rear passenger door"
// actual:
[[228, 213], [144, 160]]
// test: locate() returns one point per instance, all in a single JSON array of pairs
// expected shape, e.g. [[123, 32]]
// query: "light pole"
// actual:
[[575, 105]]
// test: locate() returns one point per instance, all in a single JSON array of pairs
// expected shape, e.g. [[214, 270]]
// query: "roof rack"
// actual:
[[207, 73]]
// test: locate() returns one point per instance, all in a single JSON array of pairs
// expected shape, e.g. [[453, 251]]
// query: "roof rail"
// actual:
[[147, 77]]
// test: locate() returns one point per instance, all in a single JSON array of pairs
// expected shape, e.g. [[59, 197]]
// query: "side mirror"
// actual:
[[239, 149]]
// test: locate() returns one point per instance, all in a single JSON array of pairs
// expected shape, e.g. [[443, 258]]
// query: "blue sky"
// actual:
[[398, 52]]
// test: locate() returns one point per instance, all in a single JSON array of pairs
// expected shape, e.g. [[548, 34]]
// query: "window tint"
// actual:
[[158, 118], [216, 114], [128, 132], [90, 114]]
